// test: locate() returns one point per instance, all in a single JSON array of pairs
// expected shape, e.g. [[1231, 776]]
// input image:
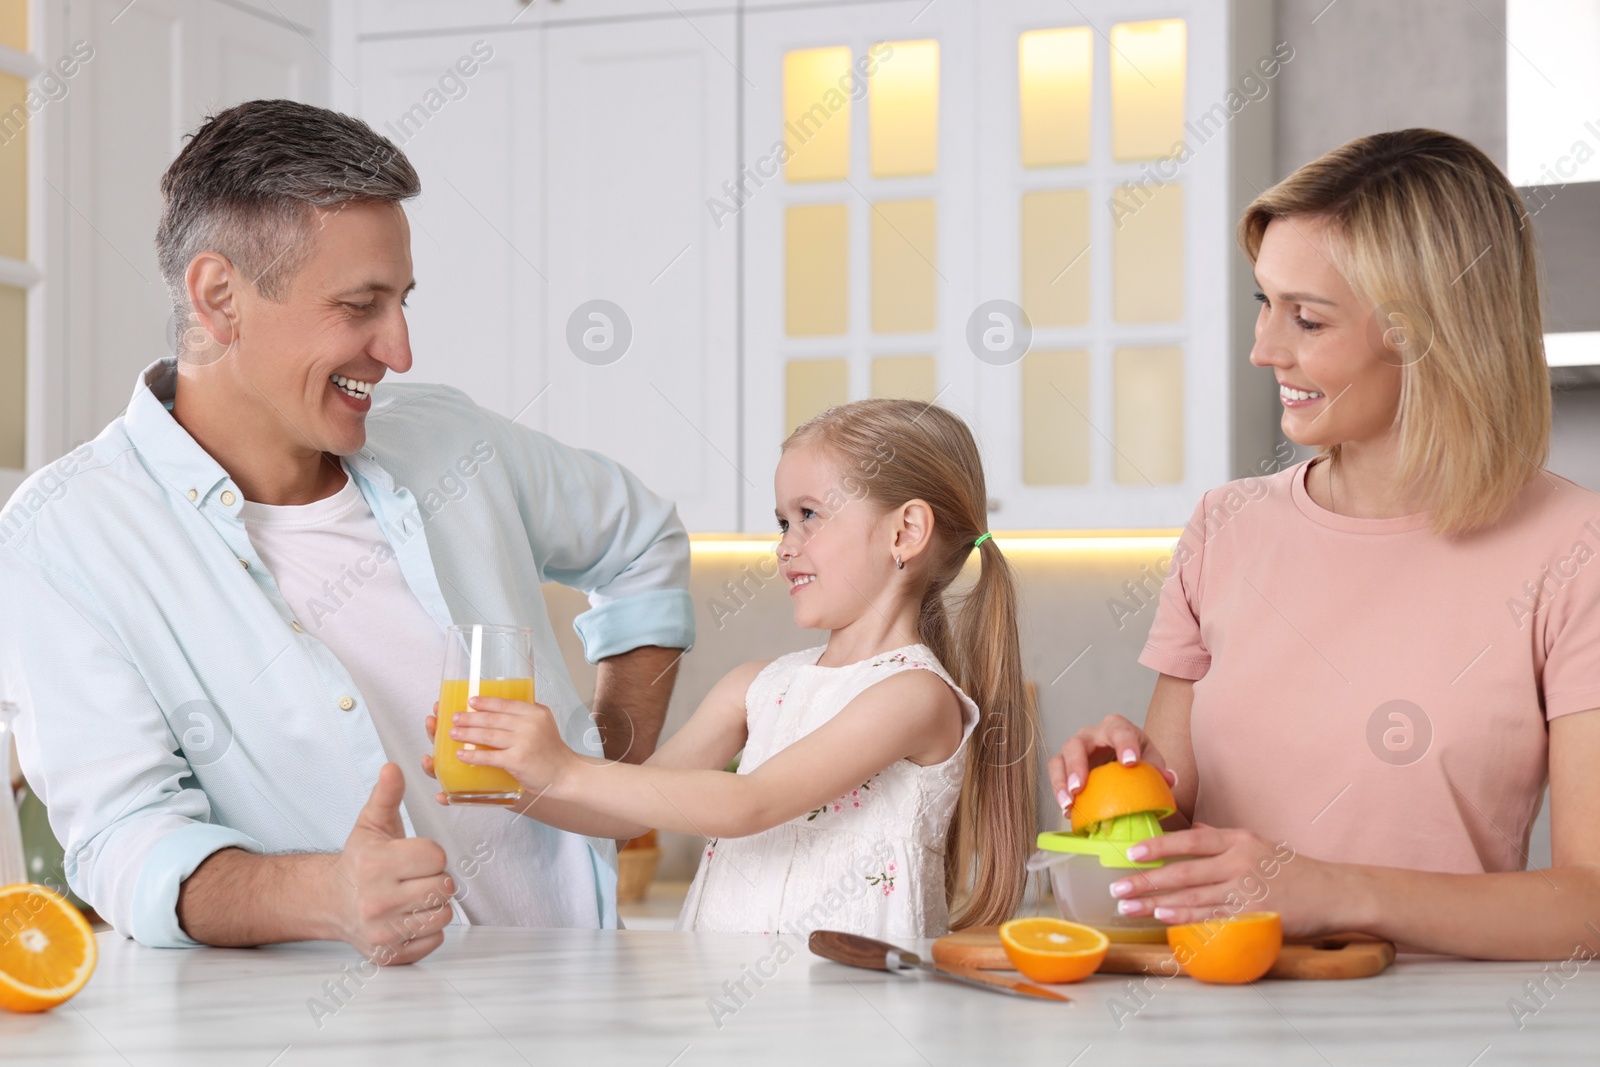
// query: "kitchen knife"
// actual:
[[854, 950]]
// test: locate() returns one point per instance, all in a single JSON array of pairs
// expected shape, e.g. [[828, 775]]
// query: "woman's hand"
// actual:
[[1226, 872], [517, 737], [1113, 738]]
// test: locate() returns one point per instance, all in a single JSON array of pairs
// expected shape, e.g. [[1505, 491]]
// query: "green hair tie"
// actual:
[[981, 540]]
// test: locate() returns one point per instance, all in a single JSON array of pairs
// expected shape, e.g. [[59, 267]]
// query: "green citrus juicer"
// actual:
[[1084, 862]]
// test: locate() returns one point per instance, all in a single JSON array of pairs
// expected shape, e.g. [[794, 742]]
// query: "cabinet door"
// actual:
[[639, 336], [1118, 247], [465, 109], [264, 54], [859, 248], [159, 68], [374, 17], [378, 17]]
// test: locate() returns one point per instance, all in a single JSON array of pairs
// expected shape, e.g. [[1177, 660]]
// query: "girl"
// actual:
[[1383, 654], [872, 789]]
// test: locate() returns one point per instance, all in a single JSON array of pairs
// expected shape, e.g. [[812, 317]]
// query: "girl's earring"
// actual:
[[898, 562]]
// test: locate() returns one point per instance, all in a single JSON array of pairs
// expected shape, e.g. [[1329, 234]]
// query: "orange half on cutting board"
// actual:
[[47, 950], [1053, 950], [1229, 951]]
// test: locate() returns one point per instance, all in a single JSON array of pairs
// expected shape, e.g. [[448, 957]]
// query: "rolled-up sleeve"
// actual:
[[98, 752], [594, 526]]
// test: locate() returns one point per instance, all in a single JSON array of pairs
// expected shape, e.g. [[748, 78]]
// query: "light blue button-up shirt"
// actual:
[[171, 705]]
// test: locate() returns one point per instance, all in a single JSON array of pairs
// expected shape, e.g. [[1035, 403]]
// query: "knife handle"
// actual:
[[853, 950]]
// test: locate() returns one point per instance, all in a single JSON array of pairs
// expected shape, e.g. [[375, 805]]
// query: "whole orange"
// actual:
[[1228, 951]]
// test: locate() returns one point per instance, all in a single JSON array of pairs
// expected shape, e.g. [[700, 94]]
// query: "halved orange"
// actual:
[[47, 950], [1053, 950], [1113, 790], [1230, 950]]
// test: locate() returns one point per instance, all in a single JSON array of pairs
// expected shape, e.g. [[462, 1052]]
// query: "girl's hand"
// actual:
[[1231, 871], [519, 737], [1113, 738]]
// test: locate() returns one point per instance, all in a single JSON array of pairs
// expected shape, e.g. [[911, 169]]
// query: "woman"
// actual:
[[1379, 660]]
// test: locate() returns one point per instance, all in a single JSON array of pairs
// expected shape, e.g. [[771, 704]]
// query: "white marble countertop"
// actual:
[[495, 996]]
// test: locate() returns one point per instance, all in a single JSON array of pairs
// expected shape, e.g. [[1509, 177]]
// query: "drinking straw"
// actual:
[[475, 670]]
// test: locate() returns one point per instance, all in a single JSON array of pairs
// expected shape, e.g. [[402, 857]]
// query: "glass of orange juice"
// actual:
[[480, 659]]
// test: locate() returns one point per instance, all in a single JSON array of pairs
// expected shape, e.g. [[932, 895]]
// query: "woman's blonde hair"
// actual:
[[896, 451], [1428, 229]]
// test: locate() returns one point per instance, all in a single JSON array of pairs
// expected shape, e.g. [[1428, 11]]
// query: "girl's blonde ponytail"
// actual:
[[992, 835]]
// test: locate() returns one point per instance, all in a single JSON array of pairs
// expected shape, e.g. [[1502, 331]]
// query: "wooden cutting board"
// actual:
[[1332, 957]]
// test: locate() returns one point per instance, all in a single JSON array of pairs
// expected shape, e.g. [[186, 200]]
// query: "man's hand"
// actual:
[[395, 894], [385, 894]]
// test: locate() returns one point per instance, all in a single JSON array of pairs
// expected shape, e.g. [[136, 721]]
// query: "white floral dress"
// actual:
[[871, 861]]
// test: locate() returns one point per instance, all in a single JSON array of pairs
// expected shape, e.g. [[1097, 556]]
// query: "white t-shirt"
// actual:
[[338, 575]]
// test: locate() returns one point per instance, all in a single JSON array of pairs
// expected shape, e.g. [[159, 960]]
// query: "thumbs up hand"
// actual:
[[396, 894]]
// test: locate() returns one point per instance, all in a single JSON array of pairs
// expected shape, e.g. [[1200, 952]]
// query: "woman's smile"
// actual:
[[1293, 397]]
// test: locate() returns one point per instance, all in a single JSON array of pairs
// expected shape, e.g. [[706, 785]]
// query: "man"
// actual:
[[227, 612]]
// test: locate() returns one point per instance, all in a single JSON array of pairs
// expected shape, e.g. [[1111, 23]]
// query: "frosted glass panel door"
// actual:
[[1112, 232], [858, 251]]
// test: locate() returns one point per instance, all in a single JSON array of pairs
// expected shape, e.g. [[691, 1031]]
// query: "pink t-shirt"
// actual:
[[1373, 693]]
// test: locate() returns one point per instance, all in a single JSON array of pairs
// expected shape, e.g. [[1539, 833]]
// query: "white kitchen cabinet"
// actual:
[[640, 129], [464, 108], [159, 68], [271, 51], [379, 18], [574, 168]]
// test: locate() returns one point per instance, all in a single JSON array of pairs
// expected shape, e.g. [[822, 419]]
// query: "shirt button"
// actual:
[[346, 703], [194, 494], [297, 627], [245, 564], [227, 499]]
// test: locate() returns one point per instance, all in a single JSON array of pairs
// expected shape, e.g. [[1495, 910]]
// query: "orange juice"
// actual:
[[465, 782]]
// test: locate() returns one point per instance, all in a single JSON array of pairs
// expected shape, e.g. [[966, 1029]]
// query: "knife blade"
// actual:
[[853, 950]]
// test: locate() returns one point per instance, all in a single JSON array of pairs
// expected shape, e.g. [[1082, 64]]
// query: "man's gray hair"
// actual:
[[248, 183]]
